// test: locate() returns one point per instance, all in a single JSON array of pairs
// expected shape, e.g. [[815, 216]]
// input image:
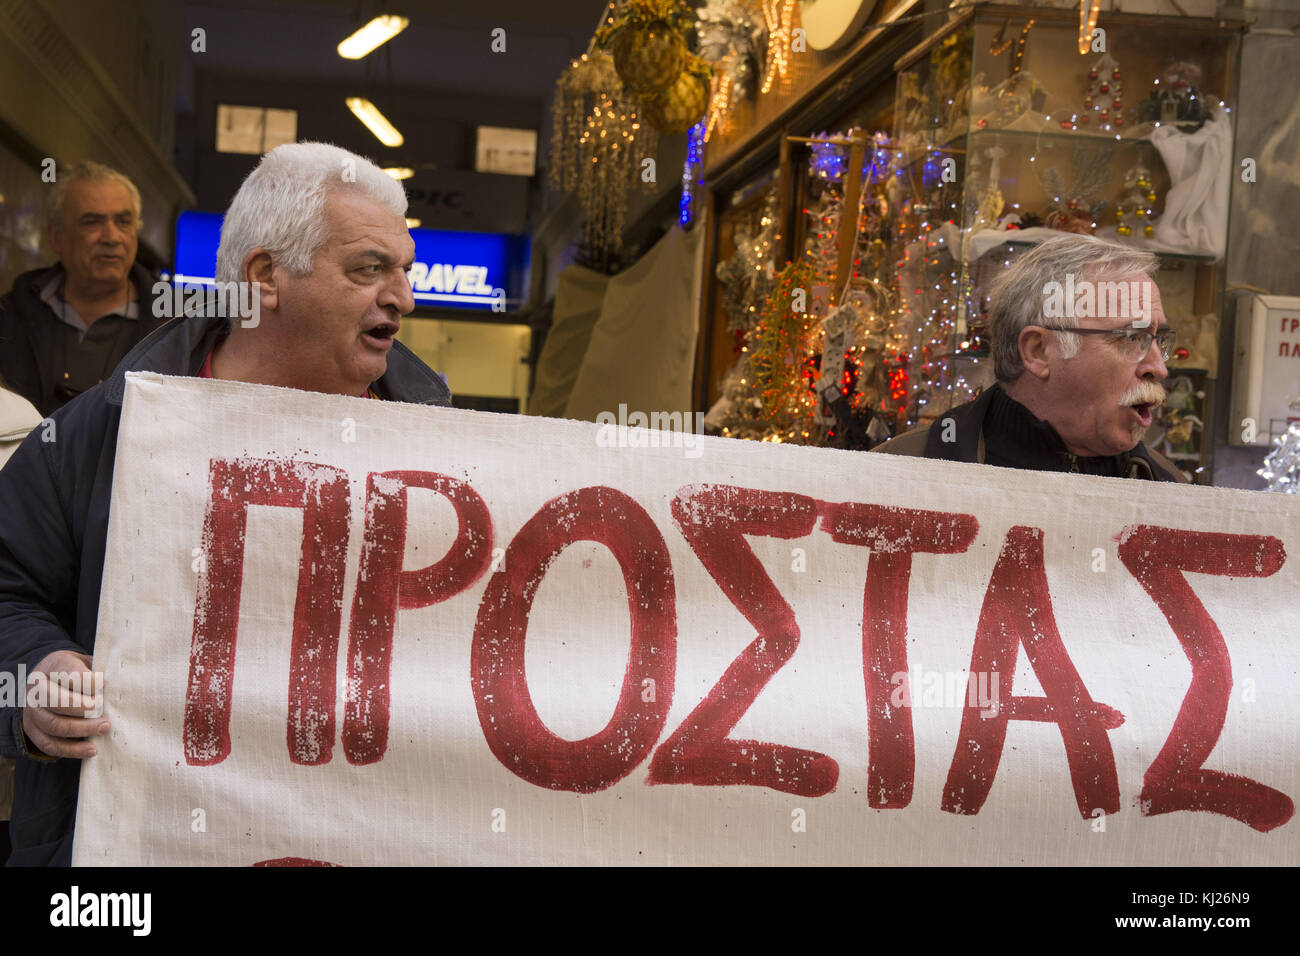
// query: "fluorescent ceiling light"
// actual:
[[413, 223], [375, 121], [374, 34], [400, 172]]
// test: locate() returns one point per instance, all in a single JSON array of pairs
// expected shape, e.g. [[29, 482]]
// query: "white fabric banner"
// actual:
[[353, 632]]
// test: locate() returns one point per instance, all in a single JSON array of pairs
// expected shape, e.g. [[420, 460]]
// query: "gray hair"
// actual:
[[85, 171], [1016, 295], [281, 205]]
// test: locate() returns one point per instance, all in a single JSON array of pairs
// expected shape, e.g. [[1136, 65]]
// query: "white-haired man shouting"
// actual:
[[319, 236], [1079, 348]]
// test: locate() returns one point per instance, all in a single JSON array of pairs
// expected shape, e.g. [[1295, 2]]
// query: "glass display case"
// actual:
[[1005, 134]]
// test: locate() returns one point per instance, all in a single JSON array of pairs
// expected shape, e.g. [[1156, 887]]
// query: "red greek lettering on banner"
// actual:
[[1177, 780], [383, 587], [321, 491], [893, 535], [714, 519], [1018, 609], [514, 731]]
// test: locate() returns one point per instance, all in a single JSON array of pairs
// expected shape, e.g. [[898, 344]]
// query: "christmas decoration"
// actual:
[[827, 160], [1088, 10], [1138, 202], [738, 412], [597, 139], [1000, 46], [1175, 432], [648, 40], [812, 369], [1178, 101], [731, 35], [1071, 217], [691, 170], [683, 103], [779, 15], [1282, 464], [822, 244], [1076, 203], [747, 275], [1105, 89], [837, 339], [989, 202], [1197, 343], [1012, 103], [781, 344]]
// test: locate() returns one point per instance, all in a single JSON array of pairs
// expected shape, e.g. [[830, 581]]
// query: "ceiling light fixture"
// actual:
[[375, 121], [374, 34], [400, 172]]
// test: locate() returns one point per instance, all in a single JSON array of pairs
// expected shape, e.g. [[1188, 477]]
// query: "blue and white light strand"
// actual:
[[691, 173]]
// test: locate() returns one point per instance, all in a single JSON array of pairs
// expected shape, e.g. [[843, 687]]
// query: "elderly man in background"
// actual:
[[1076, 385], [63, 329], [319, 237]]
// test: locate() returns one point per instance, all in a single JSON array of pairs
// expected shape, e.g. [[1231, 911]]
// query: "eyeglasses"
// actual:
[[1136, 342]]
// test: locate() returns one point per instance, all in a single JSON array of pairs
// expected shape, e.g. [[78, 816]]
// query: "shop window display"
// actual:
[[1006, 134]]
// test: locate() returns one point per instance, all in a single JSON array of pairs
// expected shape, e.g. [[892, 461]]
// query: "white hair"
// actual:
[[281, 205], [1016, 295]]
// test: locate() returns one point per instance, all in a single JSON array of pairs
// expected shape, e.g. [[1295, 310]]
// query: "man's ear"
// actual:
[[258, 267], [1034, 351]]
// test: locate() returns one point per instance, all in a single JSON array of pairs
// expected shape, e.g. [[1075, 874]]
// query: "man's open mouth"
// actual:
[[1145, 412], [381, 334]]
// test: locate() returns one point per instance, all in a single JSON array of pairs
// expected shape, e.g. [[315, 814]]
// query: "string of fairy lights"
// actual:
[[779, 15]]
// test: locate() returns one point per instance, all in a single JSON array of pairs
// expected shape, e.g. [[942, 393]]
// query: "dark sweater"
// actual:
[[1015, 438]]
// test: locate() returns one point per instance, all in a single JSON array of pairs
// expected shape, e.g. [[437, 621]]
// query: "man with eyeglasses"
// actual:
[[63, 329], [1079, 348]]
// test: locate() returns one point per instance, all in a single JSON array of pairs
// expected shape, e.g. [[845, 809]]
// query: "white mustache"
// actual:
[[1144, 392]]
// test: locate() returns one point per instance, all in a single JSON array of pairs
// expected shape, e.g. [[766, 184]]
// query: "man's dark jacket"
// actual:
[[54, 500], [1031, 444], [29, 332]]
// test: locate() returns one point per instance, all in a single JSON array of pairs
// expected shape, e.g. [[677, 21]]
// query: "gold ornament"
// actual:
[[648, 39], [681, 106], [649, 58]]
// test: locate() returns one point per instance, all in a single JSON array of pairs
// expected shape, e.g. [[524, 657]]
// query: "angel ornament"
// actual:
[[991, 200]]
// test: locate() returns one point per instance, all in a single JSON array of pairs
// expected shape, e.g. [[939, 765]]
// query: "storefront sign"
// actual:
[[1266, 379], [468, 270], [356, 632], [460, 200]]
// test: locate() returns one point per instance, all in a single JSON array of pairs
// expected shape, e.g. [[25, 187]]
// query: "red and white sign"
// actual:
[[352, 632]]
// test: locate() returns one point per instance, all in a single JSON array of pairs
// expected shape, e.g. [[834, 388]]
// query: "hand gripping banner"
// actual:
[[349, 632]]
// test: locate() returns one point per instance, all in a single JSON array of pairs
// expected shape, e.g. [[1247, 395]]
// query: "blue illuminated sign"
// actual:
[[465, 270], [197, 237]]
